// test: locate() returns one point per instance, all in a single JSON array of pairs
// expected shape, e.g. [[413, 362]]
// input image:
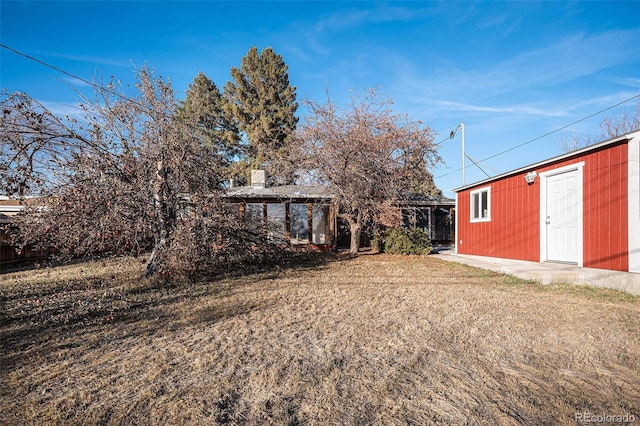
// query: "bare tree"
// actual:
[[626, 121], [119, 177], [368, 155]]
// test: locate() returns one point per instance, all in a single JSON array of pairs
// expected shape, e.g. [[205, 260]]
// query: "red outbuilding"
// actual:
[[582, 207]]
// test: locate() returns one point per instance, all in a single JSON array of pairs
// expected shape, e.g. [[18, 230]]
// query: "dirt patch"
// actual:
[[373, 339]]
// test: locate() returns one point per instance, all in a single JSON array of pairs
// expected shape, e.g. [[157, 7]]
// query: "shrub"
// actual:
[[377, 244], [407, 241]]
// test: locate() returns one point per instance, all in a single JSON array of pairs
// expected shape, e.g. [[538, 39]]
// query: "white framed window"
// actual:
[[481, 205]]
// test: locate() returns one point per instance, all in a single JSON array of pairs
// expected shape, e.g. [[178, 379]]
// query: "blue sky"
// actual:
[[511, 71]]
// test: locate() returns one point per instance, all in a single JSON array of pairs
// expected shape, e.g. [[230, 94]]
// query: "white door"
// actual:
[[564, 217]]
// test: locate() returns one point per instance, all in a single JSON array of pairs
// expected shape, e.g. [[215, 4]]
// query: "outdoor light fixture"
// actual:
[[530, 177]]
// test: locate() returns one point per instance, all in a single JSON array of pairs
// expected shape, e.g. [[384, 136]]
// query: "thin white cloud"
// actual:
[[565, 109], [495, 20], [357, 17], [62, 109], [452, 107], [599, 102], [343, 20], [572, 58], [74, 82], [626, 81], [294, 50], [91, 59]]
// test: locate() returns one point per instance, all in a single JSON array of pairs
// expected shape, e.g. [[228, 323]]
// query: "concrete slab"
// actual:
[[547, 272]]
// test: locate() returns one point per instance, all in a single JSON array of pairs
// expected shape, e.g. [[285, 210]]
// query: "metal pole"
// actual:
[[451, 135], [463, 155]]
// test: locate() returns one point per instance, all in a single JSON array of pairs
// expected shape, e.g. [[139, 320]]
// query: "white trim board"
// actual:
[[456, 224], [618, 139], [633, 202]]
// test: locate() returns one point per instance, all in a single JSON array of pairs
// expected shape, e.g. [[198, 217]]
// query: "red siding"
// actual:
[[514, 229]]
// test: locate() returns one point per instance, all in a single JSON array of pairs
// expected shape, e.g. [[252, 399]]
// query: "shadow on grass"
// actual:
[[80, 312]]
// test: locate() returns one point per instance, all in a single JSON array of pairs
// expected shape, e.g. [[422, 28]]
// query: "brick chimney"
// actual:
[[258, 178]]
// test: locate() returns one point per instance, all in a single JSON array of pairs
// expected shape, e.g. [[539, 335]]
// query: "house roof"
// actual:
[[8, 211], [428, 200], [613, 141], [278, 193], [318, 192]]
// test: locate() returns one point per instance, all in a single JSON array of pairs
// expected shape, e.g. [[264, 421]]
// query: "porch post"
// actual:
[[287, 222], [310, 221], [264, 219]]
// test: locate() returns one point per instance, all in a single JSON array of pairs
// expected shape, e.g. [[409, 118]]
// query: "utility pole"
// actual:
[[453, 133]]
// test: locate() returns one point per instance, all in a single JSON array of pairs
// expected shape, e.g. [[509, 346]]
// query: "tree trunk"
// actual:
[[355, 226], [157, 259], [356, 230], [153, 264]]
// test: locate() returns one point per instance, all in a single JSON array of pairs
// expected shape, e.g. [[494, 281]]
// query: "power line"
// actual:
[[478, 165], [545, 135], [443, 140], [60, 70], [92, 84], [53, 67]]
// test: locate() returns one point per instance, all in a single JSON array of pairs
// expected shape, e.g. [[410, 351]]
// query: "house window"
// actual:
[[276, 219], [481, 205], [417, 217], [321, 228], [299, 223], [253, 215]]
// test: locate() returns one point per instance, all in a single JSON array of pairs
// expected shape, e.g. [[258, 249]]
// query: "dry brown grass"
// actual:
[[369, 340]]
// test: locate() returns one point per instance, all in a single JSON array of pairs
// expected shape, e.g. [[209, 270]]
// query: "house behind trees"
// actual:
[[307, 214]]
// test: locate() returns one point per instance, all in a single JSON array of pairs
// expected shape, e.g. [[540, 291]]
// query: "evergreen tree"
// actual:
[[420, 180], [264, 105], [215, 127]]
